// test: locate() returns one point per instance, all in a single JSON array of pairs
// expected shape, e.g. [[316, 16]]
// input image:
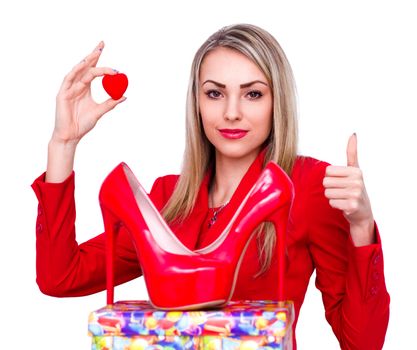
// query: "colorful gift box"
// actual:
[[243, 325]]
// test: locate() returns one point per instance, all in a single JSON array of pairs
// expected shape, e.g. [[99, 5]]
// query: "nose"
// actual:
[[232, 112]]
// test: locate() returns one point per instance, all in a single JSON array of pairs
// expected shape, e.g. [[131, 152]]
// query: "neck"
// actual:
[[227, 176]]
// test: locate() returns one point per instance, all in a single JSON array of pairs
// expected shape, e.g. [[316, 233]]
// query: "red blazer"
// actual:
[[351, 279]]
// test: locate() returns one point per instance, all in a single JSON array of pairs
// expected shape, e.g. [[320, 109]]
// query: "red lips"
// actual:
[[115, 85], [233, 133]]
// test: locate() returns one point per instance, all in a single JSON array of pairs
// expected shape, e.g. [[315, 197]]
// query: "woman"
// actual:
[[241, 113]]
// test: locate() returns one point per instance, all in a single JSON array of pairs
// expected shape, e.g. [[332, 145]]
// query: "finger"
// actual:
[[75, 77], [338, 203], [99, 47], [95, 55], [348, 206], [339, 171], [108, 105], [95, 72], [352, 151], [72, 75], [90, 60], [337, 182], [332, 193]]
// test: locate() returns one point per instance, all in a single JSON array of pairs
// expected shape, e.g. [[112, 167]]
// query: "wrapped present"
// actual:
[[243, 325]]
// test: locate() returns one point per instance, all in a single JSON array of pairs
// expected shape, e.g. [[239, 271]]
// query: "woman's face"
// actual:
[[235, 104]]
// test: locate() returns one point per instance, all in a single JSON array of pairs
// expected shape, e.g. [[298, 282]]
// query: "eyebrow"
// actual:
[[242, 85]]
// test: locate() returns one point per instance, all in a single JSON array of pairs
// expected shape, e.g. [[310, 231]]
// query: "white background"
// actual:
[[355, 67]]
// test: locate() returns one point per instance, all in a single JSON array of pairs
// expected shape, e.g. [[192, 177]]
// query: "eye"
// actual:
[[213, 94], [255, 94]]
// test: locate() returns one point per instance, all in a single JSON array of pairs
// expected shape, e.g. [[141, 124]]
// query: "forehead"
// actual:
[[228, 64]]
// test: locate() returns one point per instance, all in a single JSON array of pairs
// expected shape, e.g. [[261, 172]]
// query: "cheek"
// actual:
[[208, 128], [203, 112], [262, 116], [264, 126], [206, 119], [203, 106], [210, 113], [266, 115]]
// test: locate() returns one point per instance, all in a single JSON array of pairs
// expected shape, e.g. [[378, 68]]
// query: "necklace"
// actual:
[[216, 212]]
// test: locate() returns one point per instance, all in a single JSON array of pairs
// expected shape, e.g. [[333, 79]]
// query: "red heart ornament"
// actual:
[[115, 85]]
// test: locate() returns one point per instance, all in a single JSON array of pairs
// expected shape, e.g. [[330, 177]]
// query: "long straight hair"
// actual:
[[264, 50]]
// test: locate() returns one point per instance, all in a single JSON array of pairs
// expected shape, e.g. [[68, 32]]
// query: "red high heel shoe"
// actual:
[[175, 276]]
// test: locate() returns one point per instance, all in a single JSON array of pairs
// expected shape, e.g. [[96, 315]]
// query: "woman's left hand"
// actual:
[[345, 189]]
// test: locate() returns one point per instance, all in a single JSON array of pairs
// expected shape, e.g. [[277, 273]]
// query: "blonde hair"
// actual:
[[263, 49]]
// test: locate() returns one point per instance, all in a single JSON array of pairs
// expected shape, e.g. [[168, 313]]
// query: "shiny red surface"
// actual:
[[201, 278]]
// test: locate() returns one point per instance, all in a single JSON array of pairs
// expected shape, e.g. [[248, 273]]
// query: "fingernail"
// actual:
[[115, 70]]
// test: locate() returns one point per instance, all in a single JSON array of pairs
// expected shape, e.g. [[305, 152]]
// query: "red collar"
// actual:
[[193, 227], [245, 184]]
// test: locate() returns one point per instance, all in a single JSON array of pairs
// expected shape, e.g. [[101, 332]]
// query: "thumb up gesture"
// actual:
[[345, 189]]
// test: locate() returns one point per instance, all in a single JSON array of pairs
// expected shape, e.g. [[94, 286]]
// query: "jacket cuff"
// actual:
[[40, 187], [52, 198], [369, 266]]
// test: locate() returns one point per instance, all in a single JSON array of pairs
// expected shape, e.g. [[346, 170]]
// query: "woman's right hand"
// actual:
[[76, 111]]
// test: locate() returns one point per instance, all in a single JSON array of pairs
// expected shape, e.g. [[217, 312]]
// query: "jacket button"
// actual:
[[375, 275], [40, 210], [373, 290], [377, 258], [39, 228]]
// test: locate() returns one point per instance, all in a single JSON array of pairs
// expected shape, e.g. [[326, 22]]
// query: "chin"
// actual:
[[237, 151]]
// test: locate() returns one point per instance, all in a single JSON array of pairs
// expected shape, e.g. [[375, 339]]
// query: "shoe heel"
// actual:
[[112, 226], [280, 221]]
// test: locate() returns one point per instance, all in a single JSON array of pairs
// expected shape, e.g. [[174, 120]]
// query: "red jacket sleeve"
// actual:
[[65, 268], [351, 279]]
